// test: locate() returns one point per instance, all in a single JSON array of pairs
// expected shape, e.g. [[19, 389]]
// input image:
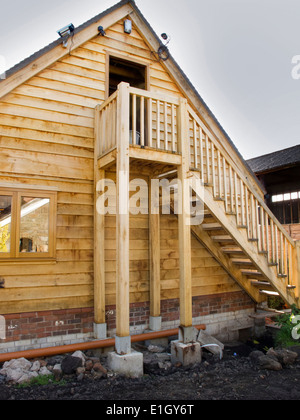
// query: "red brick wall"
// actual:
[[48, 324], [37, 325]]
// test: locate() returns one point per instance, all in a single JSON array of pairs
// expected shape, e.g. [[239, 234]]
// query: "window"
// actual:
[[286, 207], [27, 224]]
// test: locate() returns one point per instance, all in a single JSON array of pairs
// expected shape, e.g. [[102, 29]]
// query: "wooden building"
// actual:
[[279, 172], [105, 103]]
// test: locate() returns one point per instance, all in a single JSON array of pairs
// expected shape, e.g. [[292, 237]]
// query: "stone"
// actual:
[[130, 365], [89, 365], [255, 355], [80, 355], [186, 354], [57, 372], [27, 377], [80, 371], [13, 375], [267, 362], [44, 371], [283, 356], [36, 366], [155, 349], [216, 346], [21, 363], [70, 364], [99, 368]]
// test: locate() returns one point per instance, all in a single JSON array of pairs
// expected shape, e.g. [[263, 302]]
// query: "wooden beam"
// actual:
[[185, 253], [154, 246], [99, 241], [155, 155], [296, 269], [225, 261], [122, 217]]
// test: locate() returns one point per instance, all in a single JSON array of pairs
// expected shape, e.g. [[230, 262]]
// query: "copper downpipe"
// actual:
[[71, 348]]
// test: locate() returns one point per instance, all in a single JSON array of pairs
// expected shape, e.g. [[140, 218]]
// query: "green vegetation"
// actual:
[[288, 324], [42, 380]]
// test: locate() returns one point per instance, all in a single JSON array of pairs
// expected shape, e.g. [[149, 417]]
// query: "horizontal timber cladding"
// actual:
[[47, 141]]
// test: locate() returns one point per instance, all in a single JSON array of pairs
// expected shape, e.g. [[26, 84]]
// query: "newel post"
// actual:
[[123, 341], [186, 320], [186, 349], [296, 269], [100, 328]]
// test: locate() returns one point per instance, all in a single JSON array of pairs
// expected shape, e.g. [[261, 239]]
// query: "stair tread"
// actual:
[[269, 293], [212, 226], [252, 273]]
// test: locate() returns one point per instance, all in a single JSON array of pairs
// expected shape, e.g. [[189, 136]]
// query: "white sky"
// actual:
[[237, 53]]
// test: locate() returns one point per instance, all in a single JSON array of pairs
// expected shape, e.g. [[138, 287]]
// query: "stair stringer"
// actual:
[[233, 271], [240, 236]]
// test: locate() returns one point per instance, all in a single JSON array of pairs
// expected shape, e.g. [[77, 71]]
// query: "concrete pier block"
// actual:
[[130, 365], [186, 354], [100, 331]]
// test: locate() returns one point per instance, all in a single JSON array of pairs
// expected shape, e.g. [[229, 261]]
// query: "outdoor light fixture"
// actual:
[[127, 26], [66, 32], [101, 31], [163, 51]]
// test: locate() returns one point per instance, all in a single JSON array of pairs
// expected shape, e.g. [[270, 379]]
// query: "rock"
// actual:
[[283, 356], [267, 362], [156, 349], [27, 377], [89, 365], [80, 371], [13, 375], [18, 364], [216, 347], [255, 355], [36, 366], [44, 371], [70, 364], [80, 355], [57, 372], [99, 368]]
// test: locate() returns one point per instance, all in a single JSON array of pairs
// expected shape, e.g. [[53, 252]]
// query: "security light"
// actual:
[[101, 31], [67, 30]]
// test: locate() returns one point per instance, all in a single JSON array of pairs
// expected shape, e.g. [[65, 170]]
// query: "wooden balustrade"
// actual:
[[231, 186]]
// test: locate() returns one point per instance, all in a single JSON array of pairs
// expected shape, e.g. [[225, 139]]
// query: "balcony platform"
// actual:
[[142, 155]]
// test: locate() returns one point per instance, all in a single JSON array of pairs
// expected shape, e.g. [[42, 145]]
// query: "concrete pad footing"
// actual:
[[100, 331], [130, 365], [155, 323], [186, 353]]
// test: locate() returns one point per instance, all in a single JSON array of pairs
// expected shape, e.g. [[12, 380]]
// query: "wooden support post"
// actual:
[[186, 319], [296, 270], [154, 246], [122, 217], [99, 260]]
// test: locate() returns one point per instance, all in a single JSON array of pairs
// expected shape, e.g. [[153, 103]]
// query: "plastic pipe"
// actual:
[[71, 348]]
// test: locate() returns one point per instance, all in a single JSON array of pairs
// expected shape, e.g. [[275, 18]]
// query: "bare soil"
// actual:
[[235, 377]]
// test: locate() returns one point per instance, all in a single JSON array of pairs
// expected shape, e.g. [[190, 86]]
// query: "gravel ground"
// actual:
[[235, 377]]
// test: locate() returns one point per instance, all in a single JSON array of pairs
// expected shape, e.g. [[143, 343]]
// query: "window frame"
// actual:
[[17, 194]]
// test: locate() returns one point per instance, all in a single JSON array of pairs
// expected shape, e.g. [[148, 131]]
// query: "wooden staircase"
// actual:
[[238, 228]]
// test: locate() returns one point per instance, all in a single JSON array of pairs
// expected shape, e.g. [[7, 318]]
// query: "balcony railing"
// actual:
[[153, 121]]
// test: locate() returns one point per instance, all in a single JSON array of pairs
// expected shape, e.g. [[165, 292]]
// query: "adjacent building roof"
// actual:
[[281, 159]]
